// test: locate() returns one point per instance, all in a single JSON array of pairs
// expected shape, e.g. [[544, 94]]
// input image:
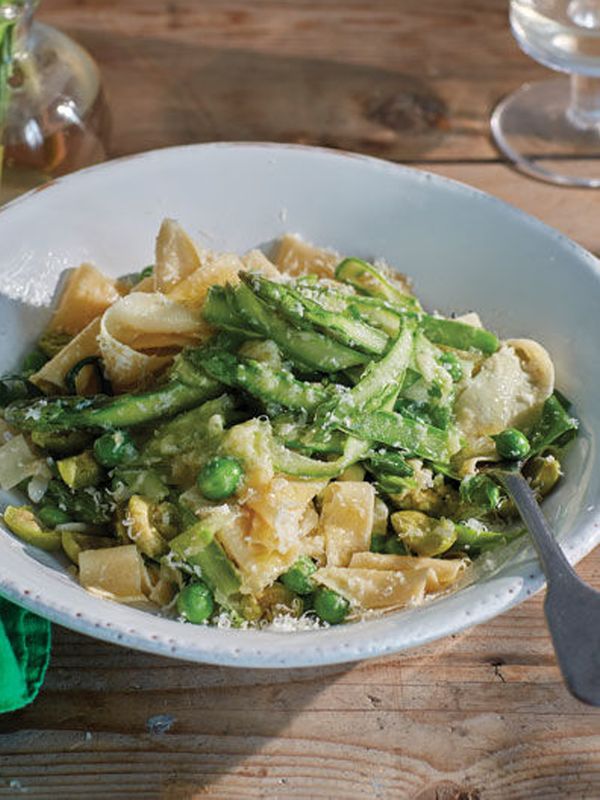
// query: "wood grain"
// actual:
[[404, 80], [480, 716]]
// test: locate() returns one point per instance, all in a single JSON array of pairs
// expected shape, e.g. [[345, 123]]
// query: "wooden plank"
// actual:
[[479, 715], [404, 80]]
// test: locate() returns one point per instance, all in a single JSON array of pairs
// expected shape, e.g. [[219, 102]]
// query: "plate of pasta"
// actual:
[[250, 396]]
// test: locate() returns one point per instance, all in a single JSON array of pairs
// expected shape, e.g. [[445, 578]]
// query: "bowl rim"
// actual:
[[337, 645]]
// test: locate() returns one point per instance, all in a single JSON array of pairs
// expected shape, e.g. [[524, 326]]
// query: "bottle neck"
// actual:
[[23, 29]]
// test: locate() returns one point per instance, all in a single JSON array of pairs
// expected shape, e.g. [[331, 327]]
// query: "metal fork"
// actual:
[[572, 607]]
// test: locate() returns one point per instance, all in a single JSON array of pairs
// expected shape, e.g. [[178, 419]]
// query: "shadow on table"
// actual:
[[189, 724], [184, 93]]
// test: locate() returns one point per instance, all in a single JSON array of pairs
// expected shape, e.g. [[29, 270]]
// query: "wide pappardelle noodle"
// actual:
[[248, 442]]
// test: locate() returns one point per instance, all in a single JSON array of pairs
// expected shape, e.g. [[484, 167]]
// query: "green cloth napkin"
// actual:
[[24, 655]]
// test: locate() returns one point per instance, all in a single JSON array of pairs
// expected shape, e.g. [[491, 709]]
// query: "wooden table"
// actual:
[[483, 715]]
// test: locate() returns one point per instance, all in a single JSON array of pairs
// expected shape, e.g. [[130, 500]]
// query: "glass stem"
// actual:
[[584, 108]]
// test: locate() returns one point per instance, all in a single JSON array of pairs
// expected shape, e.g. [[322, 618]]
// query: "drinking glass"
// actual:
[[551, 129], [56, 118]]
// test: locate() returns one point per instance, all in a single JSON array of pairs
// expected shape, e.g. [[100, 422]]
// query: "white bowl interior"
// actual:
[[464, 249]]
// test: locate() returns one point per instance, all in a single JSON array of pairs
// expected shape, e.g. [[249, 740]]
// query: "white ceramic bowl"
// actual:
[[465, 250]]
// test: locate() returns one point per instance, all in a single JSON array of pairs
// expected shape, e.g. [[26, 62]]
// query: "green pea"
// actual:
[[220, 477], [51, 516], [394, 547], [298, 577], [378, 541], [195, 602], [512, 444], [453, 366], [330, 606], [113, 448], [34, 361]]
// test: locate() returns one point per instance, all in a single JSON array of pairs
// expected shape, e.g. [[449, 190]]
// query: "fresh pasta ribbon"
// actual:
[[87, 294], [142, 322]]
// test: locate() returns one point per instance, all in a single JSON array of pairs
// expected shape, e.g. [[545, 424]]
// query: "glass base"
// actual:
[[537, 128]]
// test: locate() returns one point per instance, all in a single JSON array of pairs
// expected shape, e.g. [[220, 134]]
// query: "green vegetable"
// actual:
[[512, 445], [390, 462], [198, 548], [364, 277], [307, 348], [380, 311], [220, 477], [146, 272], [475, 541], [306, 312], [397, 431], [139, 480], [190, 430], [219, 309], [378, 542], [298, 578], [458, 335], [422, 534], [34, 361], [291, 463], [554, 424], [195, 602], [394, 547], [543, 473], [80, 471], [277, 599], [22, 521], [87, 505], [481, 491], [277, 386], [115, 447], [61, 443], [330, 606], [52, 516], [451, 363], [382, 375], [64, 413], [16, 388]]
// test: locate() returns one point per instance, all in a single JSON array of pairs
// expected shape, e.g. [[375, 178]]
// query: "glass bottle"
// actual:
[[56, 119]]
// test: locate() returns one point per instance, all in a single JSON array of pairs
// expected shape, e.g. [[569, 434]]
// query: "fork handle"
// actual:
[[572, 607]]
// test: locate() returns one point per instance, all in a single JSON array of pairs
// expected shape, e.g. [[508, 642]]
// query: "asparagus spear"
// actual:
[[219, 310], [397, 431], [187, 430], [305, 312], [198, 547], [187, 388], [277, 386], [67, 413], [364, 277], [307, 348]]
